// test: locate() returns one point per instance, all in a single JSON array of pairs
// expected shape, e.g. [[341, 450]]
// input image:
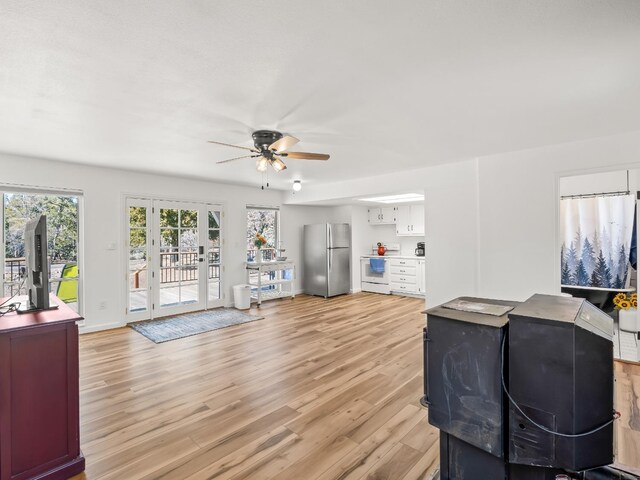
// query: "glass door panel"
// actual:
[[179, 284], [138, 258], [189, 266], [174, 255], [214, 258]]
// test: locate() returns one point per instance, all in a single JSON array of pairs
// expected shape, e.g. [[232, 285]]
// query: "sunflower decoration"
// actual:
[[259, 240], [622, 301]]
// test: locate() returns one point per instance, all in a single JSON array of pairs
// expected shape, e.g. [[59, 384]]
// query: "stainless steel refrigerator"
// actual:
[[327, 252]]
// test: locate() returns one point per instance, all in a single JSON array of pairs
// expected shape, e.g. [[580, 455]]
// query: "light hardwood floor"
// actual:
[[318, 389], [627, 428]]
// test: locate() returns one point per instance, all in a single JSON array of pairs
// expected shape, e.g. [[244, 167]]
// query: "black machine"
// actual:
[[37, 266], [521, 391], [420, 249], [561, 377], [461, 461], [464, 392]]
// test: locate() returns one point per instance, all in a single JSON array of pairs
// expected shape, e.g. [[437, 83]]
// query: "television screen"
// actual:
[[37, 265]]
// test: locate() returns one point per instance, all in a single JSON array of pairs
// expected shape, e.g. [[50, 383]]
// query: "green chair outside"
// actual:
[[68, 289]]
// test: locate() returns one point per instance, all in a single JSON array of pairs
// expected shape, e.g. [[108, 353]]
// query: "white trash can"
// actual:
[[242, 296]]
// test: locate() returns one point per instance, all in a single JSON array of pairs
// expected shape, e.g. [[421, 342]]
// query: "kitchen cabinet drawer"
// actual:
[[403, 262], [403, 287], [403, 270], [403, 278]]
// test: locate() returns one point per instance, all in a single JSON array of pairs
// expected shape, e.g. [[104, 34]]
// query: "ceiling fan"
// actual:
[[270, 148]]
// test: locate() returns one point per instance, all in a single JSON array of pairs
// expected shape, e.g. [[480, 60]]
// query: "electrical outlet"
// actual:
[[102, 305]]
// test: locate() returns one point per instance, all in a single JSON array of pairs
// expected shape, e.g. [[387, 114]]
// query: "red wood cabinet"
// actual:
[[39, 395]]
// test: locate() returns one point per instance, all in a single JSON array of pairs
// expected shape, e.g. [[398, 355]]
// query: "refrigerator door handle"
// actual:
[[330, 252], [330, 241]]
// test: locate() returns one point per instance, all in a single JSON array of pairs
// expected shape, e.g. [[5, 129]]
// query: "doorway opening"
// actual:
[[174, 257]]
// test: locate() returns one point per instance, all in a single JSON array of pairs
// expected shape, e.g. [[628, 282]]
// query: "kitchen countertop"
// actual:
[[403, 257]]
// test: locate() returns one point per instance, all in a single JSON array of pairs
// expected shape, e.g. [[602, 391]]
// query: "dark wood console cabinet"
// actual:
[[39, 404]]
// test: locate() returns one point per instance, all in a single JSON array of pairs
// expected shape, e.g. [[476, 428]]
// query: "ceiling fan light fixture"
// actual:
[[277, 164], [297, 185], [261, 164]]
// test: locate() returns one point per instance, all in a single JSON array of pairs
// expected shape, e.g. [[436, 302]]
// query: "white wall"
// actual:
[[387, 234], [293, 218], [491, 223], [103, 222], [518, 211], [451, 231], [451, 208], [601, 182]]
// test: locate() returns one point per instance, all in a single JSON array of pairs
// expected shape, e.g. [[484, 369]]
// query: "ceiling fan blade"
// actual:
[[237, 158], [283, 144], [234, 146], [306, 156]]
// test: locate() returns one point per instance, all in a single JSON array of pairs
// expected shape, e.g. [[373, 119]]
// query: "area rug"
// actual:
[[180, 326]]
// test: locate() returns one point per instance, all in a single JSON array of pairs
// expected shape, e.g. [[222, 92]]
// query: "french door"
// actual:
[[174, 257]]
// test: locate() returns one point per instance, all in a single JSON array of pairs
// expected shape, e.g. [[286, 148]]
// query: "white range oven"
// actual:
[[374, 281]]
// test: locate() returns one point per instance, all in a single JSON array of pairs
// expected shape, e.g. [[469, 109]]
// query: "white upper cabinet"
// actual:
[[410, 220], [382, 215]]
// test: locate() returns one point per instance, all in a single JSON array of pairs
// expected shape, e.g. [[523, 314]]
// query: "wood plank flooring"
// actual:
[[318, 389], [627, 428]]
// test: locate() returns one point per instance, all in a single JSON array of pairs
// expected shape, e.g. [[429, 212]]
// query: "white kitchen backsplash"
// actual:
[[387, 234]]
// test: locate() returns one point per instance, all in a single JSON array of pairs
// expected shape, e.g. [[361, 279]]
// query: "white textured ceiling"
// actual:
[[379, 85]]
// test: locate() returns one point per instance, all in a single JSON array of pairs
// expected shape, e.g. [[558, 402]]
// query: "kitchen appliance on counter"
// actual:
[[420, 249], [327, 254], [390, 249]]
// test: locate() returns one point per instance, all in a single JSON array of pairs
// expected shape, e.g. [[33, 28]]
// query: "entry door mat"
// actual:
[[180, 326]]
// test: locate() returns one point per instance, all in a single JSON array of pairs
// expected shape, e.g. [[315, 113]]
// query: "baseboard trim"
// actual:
[[99, 328]]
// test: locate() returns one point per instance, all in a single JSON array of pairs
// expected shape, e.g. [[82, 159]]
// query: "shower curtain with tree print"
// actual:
[[596, 239]]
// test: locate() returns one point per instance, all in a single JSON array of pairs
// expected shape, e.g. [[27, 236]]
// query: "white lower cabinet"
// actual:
[[405, 275], [421, 277]]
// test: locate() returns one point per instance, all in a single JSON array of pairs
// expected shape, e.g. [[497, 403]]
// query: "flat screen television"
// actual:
[[37, 266]]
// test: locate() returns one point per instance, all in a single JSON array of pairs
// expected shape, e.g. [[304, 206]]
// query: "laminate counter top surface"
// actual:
[[401, 257]]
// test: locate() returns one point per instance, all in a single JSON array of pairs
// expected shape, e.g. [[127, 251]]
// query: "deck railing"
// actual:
[[264, 254], [174, 266], [13, 274], [178, 266]]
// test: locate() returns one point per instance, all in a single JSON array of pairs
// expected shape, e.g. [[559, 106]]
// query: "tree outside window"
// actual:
[[264, 222], [62, 239]]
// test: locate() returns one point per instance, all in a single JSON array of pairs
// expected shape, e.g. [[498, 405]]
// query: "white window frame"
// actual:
[[7, 188]]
